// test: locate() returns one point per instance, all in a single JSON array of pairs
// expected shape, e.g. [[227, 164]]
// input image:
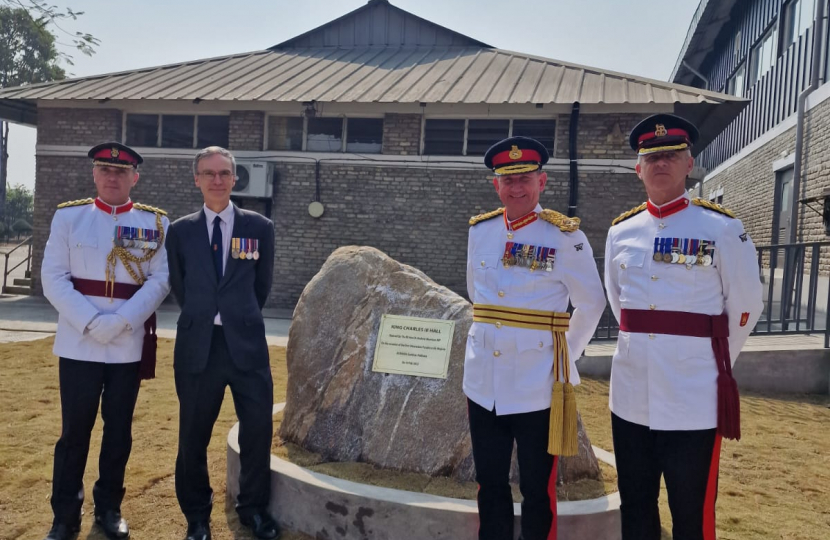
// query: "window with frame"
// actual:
[[364, 135], [450, 137], [324, 135], [763, 55], [285, 133], [798, 17], [735, 86], [177, 130]]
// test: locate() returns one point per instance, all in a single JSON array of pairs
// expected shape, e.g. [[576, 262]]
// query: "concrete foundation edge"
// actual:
[[793, 371], [330, 508]]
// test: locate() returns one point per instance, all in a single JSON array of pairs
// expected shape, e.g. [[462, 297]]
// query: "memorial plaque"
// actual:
[[413, 346]]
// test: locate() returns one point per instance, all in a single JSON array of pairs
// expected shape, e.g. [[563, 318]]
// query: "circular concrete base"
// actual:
[[330, 508]]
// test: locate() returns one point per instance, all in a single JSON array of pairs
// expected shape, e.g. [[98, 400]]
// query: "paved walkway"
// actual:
[[29, 317]]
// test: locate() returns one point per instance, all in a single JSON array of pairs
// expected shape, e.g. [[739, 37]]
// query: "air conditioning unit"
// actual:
[[253, 179]]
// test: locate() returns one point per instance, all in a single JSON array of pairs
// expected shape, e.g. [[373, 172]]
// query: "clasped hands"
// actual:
[[107, 326]]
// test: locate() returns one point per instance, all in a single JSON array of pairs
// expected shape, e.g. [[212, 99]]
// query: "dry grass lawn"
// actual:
[[774, 484]]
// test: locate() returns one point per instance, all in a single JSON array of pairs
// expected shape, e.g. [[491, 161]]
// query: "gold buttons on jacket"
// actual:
[[651, 336], [498, 324], [496, 353], [654, 278], [662, 225], [501, 294], [652, 307], [510, 236], [483, 263], [622, 265], [541, 344]]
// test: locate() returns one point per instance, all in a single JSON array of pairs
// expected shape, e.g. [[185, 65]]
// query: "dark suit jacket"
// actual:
[[238, 297]]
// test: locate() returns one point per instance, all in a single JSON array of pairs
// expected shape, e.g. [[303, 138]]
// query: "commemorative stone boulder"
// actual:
[[337, 406]]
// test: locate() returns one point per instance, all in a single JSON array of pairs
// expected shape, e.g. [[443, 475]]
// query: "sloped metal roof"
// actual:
[[704, 30], [373, 75]]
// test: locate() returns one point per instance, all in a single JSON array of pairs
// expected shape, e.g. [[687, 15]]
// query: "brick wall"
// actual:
[[600, 136], [78, 127], [246, 130], [402, 134]]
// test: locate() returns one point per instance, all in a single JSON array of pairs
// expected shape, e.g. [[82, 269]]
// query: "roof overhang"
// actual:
[[19, 111], [704, 30], [710, 118]]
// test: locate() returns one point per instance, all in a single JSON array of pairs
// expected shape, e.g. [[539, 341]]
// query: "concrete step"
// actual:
[[11, 289], [23, 282]]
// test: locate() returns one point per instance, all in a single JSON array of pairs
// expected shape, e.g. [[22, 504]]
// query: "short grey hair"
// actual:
[[212, 150]]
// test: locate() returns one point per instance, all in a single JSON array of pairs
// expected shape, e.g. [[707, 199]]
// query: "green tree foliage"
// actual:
[[20, 205]]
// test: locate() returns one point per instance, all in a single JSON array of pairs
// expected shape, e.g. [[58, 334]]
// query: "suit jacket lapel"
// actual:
[[239, 228], [201, 244]]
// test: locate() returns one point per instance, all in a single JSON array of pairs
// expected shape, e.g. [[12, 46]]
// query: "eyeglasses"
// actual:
[[671, 157], [210, 175]]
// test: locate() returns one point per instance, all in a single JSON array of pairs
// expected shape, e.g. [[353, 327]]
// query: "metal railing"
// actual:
[[796, 292], [28, 260]]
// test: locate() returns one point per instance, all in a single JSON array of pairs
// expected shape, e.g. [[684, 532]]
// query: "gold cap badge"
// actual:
[[114, 152], [660, 131], [515, 153]]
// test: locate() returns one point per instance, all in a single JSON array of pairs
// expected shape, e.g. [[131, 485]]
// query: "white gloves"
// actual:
[[106, 327]]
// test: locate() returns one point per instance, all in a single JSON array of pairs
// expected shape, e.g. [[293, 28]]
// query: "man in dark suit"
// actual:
[[221, 263]]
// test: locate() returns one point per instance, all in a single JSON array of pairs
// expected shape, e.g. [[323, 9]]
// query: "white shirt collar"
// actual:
[[224, 215]]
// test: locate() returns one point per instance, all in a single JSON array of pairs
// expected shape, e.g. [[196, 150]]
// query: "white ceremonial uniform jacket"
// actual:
[[669, 382], [512, 368], [78, 245]]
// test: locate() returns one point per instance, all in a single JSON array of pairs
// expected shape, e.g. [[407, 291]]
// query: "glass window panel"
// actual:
[[142, 130], [543, 130], [806, 15], [364, 135], [285, 133], [443, 137], [177, 131], [325, 135], [482, 134], [212, 131]]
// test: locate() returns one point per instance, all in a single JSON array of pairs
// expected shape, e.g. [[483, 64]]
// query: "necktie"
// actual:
[[216, 247]]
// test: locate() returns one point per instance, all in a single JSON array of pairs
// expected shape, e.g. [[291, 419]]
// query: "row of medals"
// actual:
[[675, 257], [130, 237], [237, 252], [530, 257]]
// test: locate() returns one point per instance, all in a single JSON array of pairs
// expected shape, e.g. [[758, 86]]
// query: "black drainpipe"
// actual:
[[573, 188]]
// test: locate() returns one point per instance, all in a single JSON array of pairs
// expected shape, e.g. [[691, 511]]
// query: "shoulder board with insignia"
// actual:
[[148, 208], [79, 202], [484, 217], [713, 206], [630, 213], [565, 223]]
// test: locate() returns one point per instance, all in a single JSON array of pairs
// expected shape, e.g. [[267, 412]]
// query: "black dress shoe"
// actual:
[[63, 531], [262, 525], [198, 530], [114, 526]]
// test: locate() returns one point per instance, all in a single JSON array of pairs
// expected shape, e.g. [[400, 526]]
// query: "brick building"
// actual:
[[771, 165], [380, 115]]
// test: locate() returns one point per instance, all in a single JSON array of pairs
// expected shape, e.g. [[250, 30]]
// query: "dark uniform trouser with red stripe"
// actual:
[[492, 438], [688, 460]]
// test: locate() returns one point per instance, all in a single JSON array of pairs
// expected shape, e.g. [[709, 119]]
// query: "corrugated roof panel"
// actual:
[[276, 63], [480, 91], [377, 92], [468, 81], [220, 81], [549, 84], [372, 74], [571, 88], [592, 89], [502, 91], [417, 74], [526, 87], [356, 78], [455, 69], [325, 72]]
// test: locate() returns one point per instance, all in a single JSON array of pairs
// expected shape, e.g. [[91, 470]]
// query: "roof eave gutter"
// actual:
[[697, 73]]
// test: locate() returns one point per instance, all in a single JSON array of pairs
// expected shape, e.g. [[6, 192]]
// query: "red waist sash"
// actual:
[[679, 323]]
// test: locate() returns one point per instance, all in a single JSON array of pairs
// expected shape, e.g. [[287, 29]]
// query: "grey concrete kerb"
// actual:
[[327, 508]]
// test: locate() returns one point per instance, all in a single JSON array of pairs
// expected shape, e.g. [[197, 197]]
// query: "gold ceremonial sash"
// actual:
[[563, 435]]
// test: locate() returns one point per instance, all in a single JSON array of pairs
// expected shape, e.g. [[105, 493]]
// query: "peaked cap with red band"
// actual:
[[516, 155], [113, 154], [662, 133]]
